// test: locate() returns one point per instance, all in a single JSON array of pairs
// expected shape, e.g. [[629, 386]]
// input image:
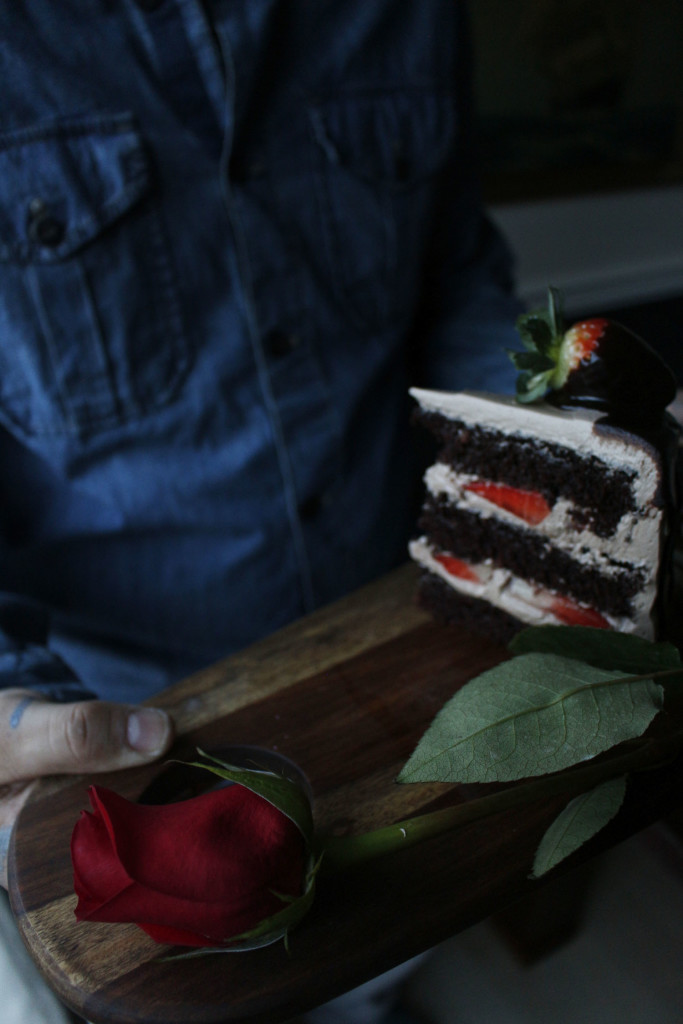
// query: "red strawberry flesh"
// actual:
[[457, 567], [581, 340], [573, 614], [530, 506]]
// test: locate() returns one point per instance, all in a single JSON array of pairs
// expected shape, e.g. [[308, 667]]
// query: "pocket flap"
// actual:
[[393, 138], [63, 181]]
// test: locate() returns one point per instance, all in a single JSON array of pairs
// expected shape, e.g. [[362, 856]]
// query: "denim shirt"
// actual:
[[232, 234]]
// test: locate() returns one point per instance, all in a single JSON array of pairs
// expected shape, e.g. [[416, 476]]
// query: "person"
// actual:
[[232, 234]]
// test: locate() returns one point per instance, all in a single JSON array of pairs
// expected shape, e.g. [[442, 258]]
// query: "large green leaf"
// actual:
[[604, 648], [534, 714], [581, 819]]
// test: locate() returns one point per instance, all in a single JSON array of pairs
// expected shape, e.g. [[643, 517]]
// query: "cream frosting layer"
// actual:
[[576, 429], [636, 540]]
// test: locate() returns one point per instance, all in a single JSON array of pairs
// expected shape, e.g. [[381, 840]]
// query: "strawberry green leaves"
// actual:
[[596, 364], [541, 333]]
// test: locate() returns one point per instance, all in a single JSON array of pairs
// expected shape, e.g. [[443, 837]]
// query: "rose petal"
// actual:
[[205, 847], [98, 873], [197, 872]]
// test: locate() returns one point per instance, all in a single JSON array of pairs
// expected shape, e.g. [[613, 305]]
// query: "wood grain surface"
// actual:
[[344, 693]]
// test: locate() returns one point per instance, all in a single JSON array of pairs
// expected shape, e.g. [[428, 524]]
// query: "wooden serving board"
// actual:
[[345, 693]]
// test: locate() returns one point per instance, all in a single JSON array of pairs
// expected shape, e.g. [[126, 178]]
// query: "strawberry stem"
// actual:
[[556, 311]]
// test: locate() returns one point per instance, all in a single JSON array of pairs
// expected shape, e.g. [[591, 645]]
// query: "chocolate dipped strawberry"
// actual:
[[597, 364]]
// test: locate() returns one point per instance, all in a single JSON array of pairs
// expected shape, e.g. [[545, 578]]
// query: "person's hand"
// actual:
[[40, 738]]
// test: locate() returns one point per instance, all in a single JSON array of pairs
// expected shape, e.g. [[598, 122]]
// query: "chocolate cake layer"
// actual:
[[452, 608], [602, 495], [529, 556]]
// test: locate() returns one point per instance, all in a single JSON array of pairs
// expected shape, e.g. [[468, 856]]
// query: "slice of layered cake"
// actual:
[[538, 514]]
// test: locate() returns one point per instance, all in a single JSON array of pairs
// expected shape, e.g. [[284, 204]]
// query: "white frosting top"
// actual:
[[571, 428]]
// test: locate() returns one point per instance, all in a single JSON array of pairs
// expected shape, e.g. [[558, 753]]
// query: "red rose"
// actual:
[[195, 873]]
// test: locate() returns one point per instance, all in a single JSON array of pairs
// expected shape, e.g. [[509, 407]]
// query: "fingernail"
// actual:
[[147, 730]]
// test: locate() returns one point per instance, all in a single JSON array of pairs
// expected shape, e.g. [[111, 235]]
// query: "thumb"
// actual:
[[88, 736]]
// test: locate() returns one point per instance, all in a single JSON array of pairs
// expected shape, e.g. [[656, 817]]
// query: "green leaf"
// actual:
[[534, 330], [604, 648], [535, 714], [556, 311], [581, 819], [541, 333], [532, 361], [530, 387], [287, 796]]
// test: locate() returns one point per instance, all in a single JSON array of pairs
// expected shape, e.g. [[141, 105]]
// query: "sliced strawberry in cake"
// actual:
[[458, 567], [530, 506], [573, 614]]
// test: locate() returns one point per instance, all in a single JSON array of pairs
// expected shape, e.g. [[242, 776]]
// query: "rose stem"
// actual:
[[340, 852]]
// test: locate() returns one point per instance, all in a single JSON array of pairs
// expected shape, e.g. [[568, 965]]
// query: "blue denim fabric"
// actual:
[[232, 234]]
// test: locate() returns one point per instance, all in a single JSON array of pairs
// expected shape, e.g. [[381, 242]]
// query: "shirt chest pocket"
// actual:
[[90, 332], [379, 154]]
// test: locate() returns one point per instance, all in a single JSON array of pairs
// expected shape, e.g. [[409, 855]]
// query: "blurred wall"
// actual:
[[603, 250]]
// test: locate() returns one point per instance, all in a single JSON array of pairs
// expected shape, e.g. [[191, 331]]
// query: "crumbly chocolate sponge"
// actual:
[[528, 555], [601, 495], [452, 608]]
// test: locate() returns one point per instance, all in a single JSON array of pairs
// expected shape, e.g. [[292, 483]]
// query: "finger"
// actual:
[[41, 738]]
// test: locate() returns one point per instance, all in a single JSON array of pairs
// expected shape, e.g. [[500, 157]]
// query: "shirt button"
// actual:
[[43, 227], [280, 343]]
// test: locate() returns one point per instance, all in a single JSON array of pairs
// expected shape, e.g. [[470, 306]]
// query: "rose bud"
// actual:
[[202, 872]]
